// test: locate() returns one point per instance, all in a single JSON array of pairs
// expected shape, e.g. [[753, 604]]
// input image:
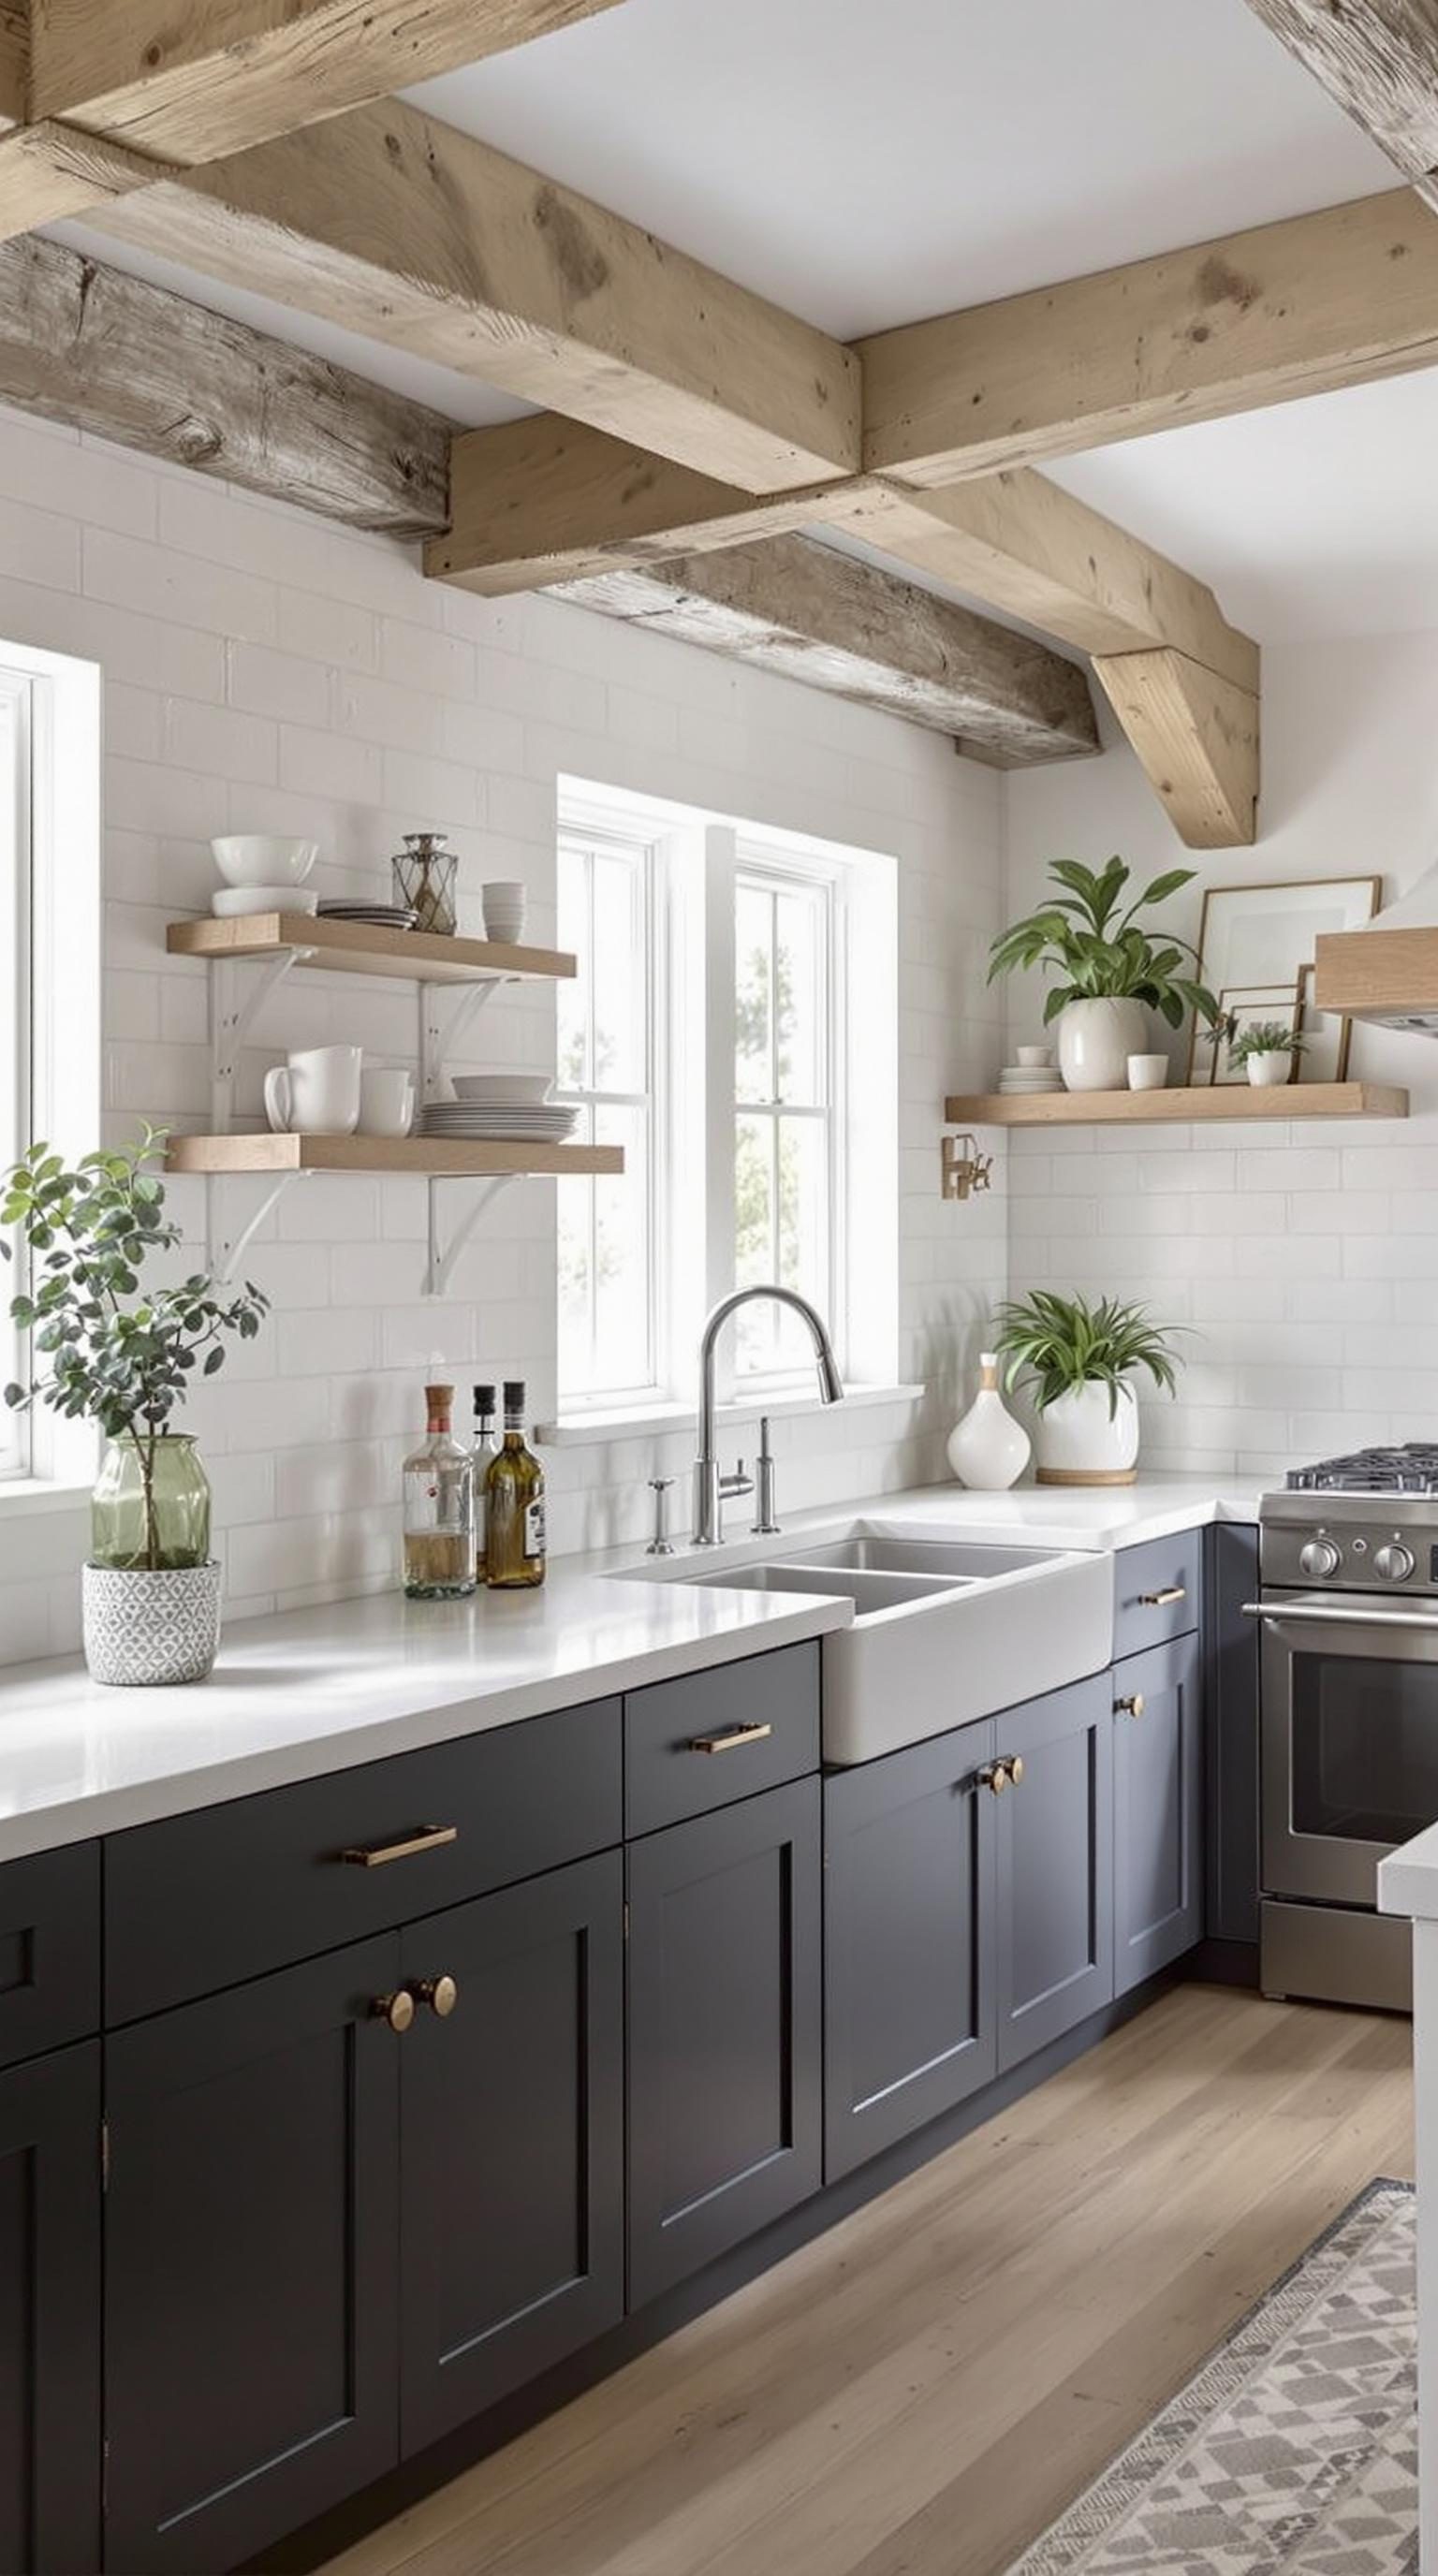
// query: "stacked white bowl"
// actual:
[[263, 873]]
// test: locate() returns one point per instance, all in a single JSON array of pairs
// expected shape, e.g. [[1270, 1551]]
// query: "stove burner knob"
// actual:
[[1394, 1563], [1319, 1557]]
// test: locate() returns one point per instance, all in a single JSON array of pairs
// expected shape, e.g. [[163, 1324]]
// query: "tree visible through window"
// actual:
[[15, 1016], [783, 1101]]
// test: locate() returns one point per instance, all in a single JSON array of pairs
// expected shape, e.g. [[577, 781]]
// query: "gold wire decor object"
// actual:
[[965, 1170], [424, 874], [1253, 935]]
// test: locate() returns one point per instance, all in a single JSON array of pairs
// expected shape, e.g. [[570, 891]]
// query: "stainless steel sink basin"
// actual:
[[937, 1558], [870, 1592]]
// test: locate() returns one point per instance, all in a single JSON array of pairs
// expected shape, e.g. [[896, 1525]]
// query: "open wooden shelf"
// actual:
[[432, 1157], [357, 948], [1222, 1102]]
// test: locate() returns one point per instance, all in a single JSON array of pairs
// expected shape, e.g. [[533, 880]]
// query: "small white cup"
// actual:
[[386, 1102], [1148, 1072], [1036, 1059], [315, 1092], [504, 905]]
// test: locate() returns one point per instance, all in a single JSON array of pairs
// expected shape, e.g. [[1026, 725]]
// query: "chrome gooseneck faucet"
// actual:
[[709, 1486]]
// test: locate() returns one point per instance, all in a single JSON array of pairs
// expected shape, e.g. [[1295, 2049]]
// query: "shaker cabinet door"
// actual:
[[909, 1989], [725, 2009], [50, 2314], [512, 2141], [250, 2343], [1054, 1936], [1158, 1800]]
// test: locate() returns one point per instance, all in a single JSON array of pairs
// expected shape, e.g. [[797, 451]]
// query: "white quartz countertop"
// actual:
[[322, 1689], [1408, 1878]]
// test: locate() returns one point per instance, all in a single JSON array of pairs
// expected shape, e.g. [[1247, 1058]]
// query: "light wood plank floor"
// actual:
[[918, 2393]]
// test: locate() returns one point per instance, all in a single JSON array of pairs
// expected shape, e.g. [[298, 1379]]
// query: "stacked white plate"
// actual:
[[1018, 1078], [528, 1122], [380, 916]]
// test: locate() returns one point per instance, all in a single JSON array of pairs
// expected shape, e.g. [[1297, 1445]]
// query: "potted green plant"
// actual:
[[123, 1354], [1079, 1362], [1268, 1049], [1113, 972]]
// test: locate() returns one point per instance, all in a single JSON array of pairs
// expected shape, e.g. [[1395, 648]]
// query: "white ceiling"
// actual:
[[867, 166]]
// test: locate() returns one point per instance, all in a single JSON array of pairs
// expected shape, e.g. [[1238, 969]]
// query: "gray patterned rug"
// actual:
[[1293, 2451]]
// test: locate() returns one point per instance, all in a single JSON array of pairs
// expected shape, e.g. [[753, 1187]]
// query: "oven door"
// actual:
[[1350, 1738]]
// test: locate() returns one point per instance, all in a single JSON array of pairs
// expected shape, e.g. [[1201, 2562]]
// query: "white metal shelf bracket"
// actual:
[[225, 1248], [440, 1031], [439, 1270], [235, 1004]]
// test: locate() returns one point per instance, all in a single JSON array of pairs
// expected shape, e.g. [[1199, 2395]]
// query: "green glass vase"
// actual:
[[135, 1530]]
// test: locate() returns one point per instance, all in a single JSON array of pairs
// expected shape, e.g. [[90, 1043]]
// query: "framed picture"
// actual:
[[1263, 936], [1243, 1008], [1325, 1054]]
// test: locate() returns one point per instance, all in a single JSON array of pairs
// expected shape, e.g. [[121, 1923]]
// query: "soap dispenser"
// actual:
[[988, 1450]]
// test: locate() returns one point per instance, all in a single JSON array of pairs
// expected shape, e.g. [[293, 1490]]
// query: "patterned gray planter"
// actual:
[[151, 1627]]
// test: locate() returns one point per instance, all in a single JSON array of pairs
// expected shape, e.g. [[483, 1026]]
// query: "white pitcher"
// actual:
[[315, 1092]]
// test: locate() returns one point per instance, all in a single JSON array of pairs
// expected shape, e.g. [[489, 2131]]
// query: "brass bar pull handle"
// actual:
[[379, 1855], [1133, 1706], [730, 1740], [1171, 1592]]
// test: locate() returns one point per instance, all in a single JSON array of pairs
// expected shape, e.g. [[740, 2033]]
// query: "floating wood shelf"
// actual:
[[357, 948], [432, 1157], [1387, 976], [1222, 1102]]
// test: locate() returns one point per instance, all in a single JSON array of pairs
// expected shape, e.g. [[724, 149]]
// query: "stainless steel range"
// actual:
[[1348, 1561]]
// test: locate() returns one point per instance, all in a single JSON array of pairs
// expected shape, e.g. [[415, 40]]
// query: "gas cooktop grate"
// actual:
[[1412, 1469]]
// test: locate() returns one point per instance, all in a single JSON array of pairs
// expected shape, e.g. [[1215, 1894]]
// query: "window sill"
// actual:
[[581, 1429], [31, 1494]]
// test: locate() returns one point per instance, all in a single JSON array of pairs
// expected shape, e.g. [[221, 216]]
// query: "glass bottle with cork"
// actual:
[[439, 1509], [514, 1550], [486, 1448]]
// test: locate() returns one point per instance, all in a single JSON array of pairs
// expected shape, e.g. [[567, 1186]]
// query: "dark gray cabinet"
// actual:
[[1158, 1810], [1231, 1733], [50, 2314], [910, 2025], [250, 2256], [1053, 1935], [725, 2010], [511, 2229]]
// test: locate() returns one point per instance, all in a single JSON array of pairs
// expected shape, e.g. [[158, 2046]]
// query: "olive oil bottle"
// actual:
[[486, 1447], [514, 1499]]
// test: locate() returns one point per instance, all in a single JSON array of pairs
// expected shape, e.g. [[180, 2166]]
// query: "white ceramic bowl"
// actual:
[[263, 859], [235, 903], [511, 1088]]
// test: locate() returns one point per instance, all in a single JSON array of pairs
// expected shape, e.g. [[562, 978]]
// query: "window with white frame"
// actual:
[[733, 1025], [16, 1015]]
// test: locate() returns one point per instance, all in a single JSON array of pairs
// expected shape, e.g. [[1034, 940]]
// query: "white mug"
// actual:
[[1148, 1072], [386, 1102], [315, 1093], [504, 903]]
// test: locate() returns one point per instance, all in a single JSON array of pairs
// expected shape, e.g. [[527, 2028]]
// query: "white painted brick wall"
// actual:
[[265, 672]]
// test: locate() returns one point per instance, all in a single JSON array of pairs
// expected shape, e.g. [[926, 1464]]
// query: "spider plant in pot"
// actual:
[[124, 1354], [1079, 1362], [1113, 971], [1269, 1051]]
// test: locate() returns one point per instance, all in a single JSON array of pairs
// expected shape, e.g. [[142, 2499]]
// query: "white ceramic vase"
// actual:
[[1096, 1040], [1274, 1065], [1079, 1442], [151, 1628], [988, 1450]]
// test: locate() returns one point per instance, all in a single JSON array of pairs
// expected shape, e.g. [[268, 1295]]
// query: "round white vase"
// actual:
[[1096, 1040], [1079, 1442], [151, 1628], [988, 1450], [1273, 1066]]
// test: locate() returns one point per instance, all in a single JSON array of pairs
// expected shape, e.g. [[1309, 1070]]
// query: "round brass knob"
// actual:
[[995, 1777], [1016, 1768], [440, 1993], [1133, 1706], [396, 2009]]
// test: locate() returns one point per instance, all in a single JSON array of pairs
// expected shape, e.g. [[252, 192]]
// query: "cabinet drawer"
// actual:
[[205, 1900], [1156, 1591], [49, 1950], [713, 1737]]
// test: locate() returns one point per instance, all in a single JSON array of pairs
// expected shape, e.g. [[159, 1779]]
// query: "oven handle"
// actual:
[[1323, 1615]]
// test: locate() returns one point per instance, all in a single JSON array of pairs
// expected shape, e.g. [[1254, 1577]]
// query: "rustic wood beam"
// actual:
[[405, 230], [800, 609], [14, 62], [1379, 60], [1301, 307], [106, 353], [194, 81], [1196, 737]]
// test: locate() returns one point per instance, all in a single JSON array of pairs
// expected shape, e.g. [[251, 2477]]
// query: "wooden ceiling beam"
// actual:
[[1301, 307], [800, 609], [1196, 739], [405, 230], [1379, 60], [107, 353]]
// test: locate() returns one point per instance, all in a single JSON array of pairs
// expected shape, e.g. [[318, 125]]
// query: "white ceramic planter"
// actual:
[[988, 1450], [151, 1628], [1078, 1442], [1275, 1065], [1096, 1040]]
